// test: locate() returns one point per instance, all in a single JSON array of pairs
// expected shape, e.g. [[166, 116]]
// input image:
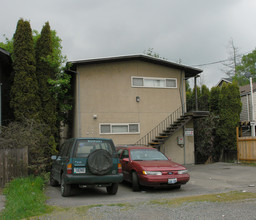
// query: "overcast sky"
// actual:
[[195, 31]]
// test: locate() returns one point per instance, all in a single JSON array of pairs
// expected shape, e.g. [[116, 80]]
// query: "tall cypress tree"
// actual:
[[229, 115], [24, 92], [45, 70]]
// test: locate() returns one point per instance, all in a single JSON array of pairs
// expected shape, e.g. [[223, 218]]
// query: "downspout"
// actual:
[[78, 101], [78, 105], [0, 105], [183, 105]]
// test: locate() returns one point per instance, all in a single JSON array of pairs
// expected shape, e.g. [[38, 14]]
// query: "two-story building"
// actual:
[[135, 99], [5, 82]]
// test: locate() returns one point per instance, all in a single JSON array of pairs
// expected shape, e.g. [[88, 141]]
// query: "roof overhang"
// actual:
[[5, 56], [189, 71]]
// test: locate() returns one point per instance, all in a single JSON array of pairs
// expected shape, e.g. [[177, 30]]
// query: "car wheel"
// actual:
[[65, 188], [135, 182], [53, 182], [177, 187], [112, 190], [100, 162]]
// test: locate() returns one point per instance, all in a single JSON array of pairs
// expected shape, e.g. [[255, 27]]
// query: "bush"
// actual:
[[28, 133]]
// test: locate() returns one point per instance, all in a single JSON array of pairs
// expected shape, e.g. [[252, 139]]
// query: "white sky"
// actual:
[[195, 31]]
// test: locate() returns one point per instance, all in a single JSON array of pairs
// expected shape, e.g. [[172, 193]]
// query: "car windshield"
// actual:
[[145, 154], [85, 147]]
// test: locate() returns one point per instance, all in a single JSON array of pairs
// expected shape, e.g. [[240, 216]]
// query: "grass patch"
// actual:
[[24, 198], [222, 197]]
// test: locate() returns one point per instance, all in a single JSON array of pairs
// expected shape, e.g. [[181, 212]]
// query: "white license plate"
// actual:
[[172, 181], [79, 170]]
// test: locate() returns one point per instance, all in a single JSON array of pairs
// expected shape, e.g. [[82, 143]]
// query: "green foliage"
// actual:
[[7, 45], [45, 70], [216, 133], [214, 100], [247, 66], [24, 198], [152, 53], [25, 100], [205, 128], [230, 107], [28, 133]]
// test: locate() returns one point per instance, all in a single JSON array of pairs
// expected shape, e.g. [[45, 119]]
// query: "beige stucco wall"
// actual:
[[105, 90], [180, 154]]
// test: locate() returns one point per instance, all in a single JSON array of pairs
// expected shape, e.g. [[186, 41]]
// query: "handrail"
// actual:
[[151, 135]]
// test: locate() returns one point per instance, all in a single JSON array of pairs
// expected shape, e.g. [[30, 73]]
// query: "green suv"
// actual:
[[84, 162]]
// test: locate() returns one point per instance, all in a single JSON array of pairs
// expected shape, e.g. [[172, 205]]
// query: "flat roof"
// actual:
[[189, 71]]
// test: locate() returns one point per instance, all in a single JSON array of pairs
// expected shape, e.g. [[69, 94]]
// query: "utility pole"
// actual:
[[252, 102]]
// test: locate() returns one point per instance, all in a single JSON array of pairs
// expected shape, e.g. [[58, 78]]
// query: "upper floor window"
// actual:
[[152, 82]]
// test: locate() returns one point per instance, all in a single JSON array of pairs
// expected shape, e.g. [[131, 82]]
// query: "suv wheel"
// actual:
[[65, 188], [100, 162], [135, 182], [112, 190], [53, 182]]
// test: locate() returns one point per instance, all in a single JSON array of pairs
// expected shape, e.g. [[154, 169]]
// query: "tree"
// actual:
[[232, 61], [150, 52], [229, 115], [45, 71], [25, 100], [214, 100], [247, 67]]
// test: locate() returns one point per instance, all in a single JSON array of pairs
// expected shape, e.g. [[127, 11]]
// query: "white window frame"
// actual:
[[153, 78], [121, 124]]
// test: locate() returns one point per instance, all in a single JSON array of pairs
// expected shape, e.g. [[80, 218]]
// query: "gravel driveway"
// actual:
[[205, 179]]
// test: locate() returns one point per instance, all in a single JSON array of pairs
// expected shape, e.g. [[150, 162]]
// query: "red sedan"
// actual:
[[149, 167]]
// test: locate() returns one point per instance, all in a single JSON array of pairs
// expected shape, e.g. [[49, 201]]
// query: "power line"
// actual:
[[220, 61]]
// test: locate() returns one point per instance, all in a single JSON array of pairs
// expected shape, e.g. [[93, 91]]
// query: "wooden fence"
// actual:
[[13, 163], [246, 148]]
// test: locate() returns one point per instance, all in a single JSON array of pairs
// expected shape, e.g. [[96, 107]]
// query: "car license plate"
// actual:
[[79, 170], [172, 181]]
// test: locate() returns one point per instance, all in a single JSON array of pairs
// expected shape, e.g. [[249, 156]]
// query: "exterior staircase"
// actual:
[[165, 129]]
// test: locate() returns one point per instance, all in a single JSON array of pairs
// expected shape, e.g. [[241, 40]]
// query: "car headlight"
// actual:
[[182, 171], [152, 173]]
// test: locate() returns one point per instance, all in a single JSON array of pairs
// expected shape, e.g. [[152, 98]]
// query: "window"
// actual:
[[132, 128], [85, 147], [151, 82], [125, 154]]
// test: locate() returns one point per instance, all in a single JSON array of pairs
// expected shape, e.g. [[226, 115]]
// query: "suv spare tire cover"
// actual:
[[100, 162]]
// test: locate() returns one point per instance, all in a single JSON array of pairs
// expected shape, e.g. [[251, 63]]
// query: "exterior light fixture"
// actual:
[[137, 99]]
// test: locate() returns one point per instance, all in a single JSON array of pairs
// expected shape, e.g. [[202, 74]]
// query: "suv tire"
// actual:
[[100, 162], [65, 188], [112, 190]]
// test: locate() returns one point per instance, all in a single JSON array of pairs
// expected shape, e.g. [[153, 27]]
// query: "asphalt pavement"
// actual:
[[204, 179]]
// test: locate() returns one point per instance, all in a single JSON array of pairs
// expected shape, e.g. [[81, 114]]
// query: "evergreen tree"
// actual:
[[45, 71], [214, 100], [229, 115], [203, 100], [24, 92]]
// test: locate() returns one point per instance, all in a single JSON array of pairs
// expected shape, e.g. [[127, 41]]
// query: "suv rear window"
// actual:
[[85, 147]]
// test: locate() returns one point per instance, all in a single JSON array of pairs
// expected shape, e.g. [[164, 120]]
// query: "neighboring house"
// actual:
[[126, 97], [5, 77], [245, 93], [224, 80]]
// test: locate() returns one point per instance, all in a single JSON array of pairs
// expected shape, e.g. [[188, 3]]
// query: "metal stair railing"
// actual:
[[151, 135]]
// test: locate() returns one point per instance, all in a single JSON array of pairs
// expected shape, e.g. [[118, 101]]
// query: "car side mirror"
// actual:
[[126, 160], [54, 157]]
